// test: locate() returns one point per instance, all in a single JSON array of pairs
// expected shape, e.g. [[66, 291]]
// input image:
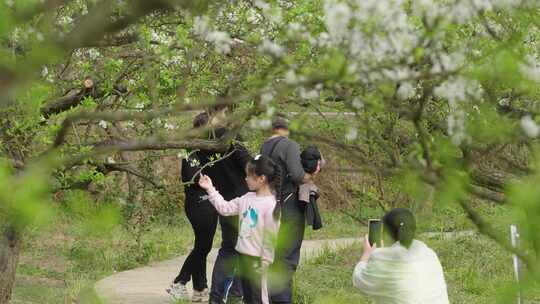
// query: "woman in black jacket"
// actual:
[[229, 178], [203, 218]]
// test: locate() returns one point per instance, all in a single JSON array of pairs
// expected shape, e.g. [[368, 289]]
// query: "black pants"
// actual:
[[203, 218], [287, 256], [225, 282], [250, 274]]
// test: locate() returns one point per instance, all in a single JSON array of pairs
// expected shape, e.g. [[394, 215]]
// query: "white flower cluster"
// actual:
[[182, 154], [458, 11], [93, 54], [351, 134], [406, 90], [271, 14], [170, 126], [457, 90], [272, 48], [222, 41], [372, 31], [260, 123], [456, 126], [312, 94], [337, 18], [267, 97], [530, 127], [65, 20], [160, 37], [292, 78], [531, 68]]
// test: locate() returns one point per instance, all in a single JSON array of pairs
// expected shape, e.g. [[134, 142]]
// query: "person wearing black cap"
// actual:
[[286, 153]]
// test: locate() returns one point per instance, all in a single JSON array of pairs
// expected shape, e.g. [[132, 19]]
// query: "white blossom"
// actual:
[[531, 68], [294, 28], [131, 82], [44, 71], [93, 54], [262, 5], [357, 103], [352, 134], [201, 26], [272, 48], [194, 162], [65, 20], [103, 124], [253, 17], [169, 126], [263, 123], [530, 127], [458, 89], [308, 94], [337, 17], [110, 160], [267, 97], [406, 90], [456, 126], [505, 102], [221, 40], [270, 111], [290, 77]]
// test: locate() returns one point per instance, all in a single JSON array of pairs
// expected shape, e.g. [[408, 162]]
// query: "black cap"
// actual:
[[280, 122]]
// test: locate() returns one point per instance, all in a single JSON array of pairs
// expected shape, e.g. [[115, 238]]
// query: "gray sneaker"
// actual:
[[200, 296], [178, 291]]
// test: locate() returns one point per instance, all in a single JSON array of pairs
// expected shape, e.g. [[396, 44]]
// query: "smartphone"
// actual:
[[375, 229]]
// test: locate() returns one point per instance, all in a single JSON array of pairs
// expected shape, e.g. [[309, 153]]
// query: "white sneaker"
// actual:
[[178, 291], [200, 296]]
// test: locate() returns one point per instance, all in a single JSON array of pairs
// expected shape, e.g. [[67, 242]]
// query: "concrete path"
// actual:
[[146, 285]]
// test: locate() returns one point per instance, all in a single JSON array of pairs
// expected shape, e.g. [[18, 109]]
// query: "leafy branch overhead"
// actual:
[[438, 99]]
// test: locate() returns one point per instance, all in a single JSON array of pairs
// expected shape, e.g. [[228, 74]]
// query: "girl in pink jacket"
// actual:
[[258, 212]]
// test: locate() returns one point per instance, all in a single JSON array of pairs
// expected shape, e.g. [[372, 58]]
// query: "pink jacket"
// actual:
[[258, 228]]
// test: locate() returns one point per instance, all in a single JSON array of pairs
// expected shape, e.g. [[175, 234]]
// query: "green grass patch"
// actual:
[[476, 269]]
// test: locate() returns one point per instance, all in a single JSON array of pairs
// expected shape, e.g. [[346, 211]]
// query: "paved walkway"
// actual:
[[146, 285]]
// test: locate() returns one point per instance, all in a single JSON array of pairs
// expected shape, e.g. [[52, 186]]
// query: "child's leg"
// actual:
[[252, 280]]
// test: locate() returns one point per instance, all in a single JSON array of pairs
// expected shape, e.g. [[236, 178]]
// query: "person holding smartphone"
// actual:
[[404, 272]]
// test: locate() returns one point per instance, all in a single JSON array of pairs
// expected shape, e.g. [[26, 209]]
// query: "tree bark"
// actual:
[[10, 247]]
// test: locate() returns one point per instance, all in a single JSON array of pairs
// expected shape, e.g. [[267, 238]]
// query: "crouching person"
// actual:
[[406, 272]]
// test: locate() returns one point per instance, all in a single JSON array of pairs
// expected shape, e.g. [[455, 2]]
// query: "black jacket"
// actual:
[[228, 175], [309, 194]]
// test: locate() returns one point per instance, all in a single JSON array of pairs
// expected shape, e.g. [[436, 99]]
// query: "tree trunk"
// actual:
[[10, 246]]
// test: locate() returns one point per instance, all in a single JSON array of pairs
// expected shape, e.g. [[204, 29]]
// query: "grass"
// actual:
[[477, 271], [60, 263]]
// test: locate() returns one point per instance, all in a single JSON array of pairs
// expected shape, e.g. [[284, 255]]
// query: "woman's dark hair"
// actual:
[[401, 225], [264, 165], [200, 120]]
